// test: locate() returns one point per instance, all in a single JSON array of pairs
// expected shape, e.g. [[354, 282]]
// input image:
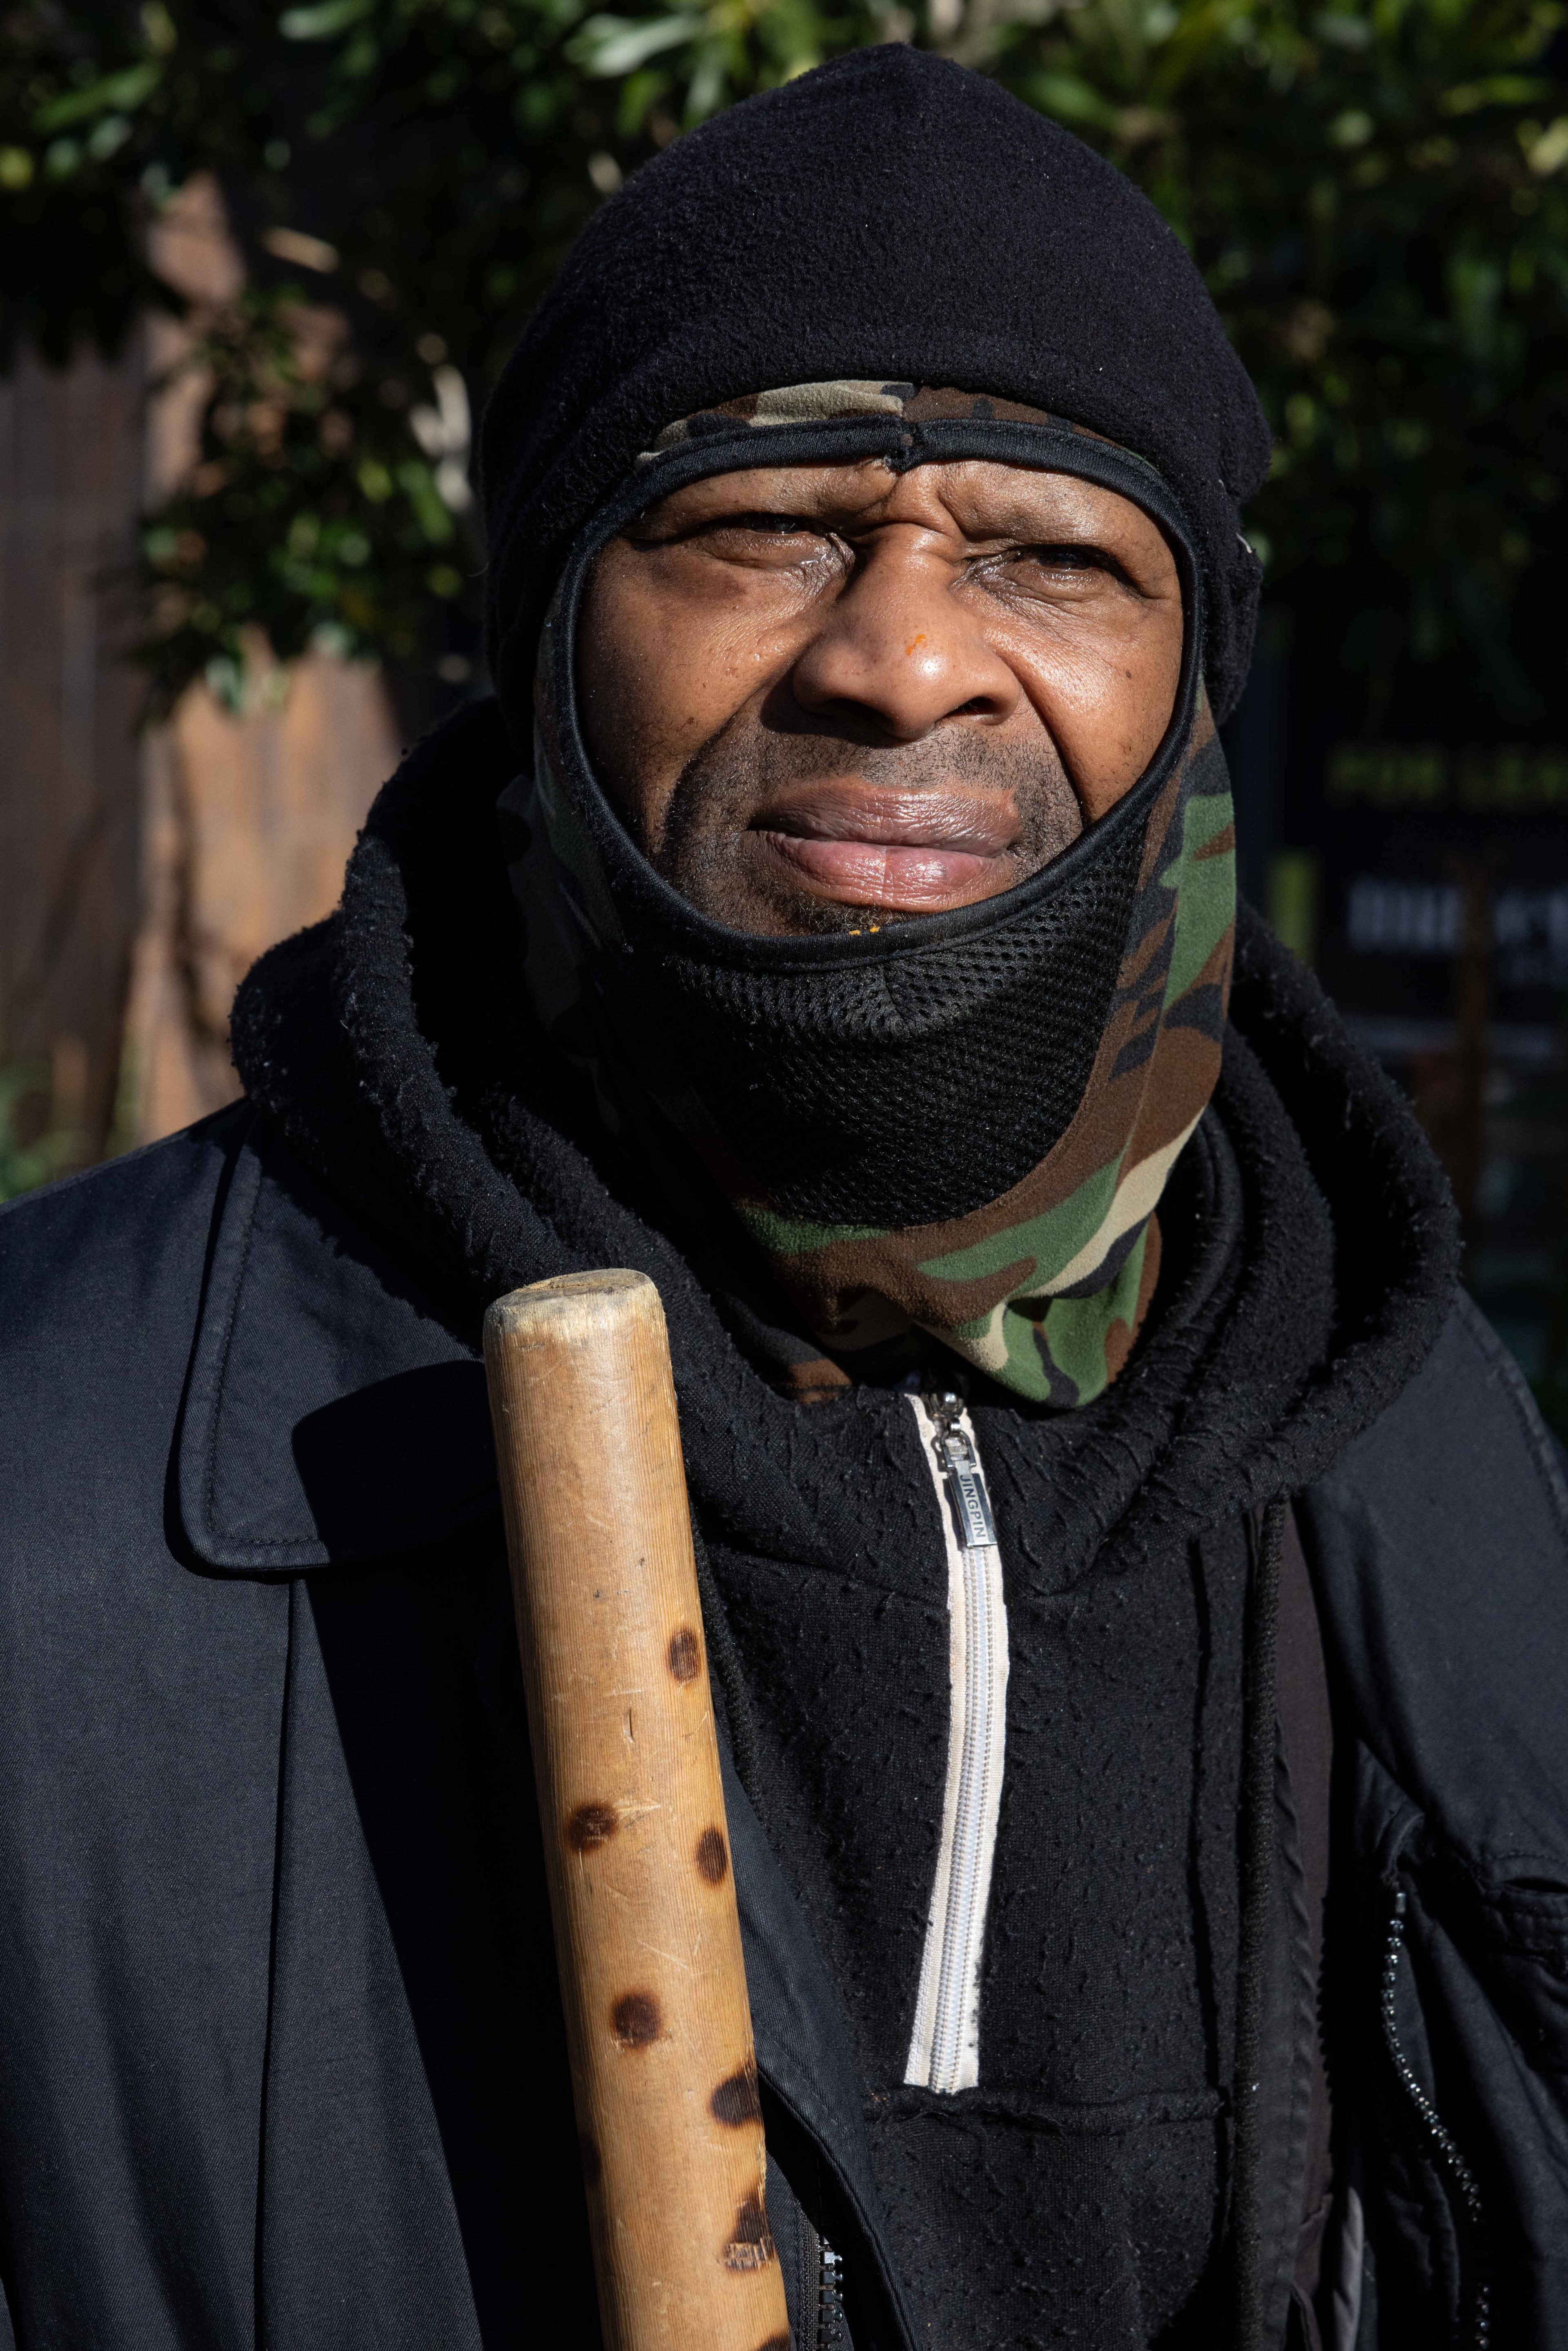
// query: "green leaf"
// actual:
[[608, 45], [1344, 32], [122, 91], [158, 28], [418, 485], [1497, 90], [321, 20], [1550, 151], [704, 92], [1067, 97]]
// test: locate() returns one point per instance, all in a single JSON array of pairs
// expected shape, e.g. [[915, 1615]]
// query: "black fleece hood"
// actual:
[[890, 215]]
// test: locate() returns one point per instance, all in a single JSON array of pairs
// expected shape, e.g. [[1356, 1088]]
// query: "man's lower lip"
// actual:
[[880, 873]]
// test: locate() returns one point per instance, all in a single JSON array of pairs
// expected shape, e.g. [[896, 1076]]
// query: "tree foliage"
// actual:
[[1376, 190]]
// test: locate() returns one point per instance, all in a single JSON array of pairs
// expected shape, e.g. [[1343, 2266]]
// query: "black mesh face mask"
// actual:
[[909, 1076]]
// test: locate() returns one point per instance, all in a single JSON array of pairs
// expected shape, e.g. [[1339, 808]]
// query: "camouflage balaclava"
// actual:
[[958, 1124]]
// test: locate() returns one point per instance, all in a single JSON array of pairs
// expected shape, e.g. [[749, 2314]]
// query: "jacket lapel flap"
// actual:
[[332, 1414]]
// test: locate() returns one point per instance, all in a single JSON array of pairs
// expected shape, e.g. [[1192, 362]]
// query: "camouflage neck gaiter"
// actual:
[[955, 1124]]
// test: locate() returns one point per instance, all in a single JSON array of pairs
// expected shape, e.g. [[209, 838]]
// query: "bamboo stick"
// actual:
[[631, 1807]]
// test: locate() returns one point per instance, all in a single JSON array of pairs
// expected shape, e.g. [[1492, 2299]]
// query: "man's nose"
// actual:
[[897, 652]]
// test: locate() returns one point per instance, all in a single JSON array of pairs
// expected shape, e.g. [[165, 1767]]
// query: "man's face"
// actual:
[[825, 697]]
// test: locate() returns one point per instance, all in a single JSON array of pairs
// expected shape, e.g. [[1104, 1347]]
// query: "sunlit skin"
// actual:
[[825, 697]]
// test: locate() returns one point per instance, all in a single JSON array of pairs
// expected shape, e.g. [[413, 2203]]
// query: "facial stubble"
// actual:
[[711, 848]]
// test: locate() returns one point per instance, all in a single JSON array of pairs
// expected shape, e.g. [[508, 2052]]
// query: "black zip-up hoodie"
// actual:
[[1102, 2183]]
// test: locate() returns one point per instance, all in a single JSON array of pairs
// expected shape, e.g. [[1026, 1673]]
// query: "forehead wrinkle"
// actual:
[[966, 492]]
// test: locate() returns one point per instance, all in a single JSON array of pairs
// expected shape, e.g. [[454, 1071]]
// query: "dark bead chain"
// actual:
[[1441, 2139]]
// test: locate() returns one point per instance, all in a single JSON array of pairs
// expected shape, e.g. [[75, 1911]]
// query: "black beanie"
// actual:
[[891, 216]]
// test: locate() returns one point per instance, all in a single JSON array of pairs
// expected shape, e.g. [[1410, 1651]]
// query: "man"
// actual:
[[1154, 1882]]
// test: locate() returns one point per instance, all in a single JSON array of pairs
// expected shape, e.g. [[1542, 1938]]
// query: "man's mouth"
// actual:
[[900, 852]]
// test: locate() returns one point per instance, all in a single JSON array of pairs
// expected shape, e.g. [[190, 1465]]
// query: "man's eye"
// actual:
[[1064, 559], [770, 525], [1026, 563]]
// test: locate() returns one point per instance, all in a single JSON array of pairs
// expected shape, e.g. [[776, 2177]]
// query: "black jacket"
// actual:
[[280, 2047]]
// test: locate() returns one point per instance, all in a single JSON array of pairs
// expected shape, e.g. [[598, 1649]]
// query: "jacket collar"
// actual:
[[335, 1409]]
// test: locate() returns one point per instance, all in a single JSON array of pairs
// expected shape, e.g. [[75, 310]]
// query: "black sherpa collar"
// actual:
[[390, 1047]]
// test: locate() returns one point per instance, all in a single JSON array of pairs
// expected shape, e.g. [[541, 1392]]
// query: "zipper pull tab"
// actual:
[[965, 1479], [971, 1500]]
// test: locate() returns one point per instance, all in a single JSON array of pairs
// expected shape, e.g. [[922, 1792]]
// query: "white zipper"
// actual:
[[945, 2047]]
